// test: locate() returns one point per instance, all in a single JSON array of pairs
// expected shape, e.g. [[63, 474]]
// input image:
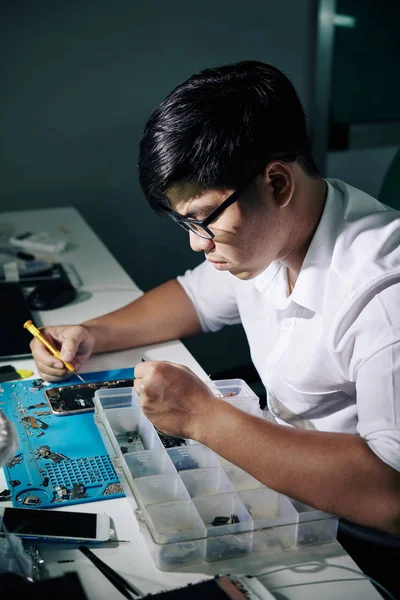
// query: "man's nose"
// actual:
[[199, 244]]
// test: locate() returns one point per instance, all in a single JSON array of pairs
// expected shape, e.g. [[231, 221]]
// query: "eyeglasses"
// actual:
[[199, 227]]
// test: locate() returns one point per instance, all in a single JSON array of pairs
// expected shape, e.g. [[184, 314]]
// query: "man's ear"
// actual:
[[279, 178]]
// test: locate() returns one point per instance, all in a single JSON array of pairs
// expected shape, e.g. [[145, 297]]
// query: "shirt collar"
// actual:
[[309, 290]]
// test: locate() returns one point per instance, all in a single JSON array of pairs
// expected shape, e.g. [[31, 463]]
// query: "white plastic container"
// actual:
[[237, 393], [193, 505], [231, 388]]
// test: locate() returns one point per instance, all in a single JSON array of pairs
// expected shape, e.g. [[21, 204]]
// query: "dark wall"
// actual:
[[80, 79]]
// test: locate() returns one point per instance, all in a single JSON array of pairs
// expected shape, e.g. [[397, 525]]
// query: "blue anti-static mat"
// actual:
[[39, 482]]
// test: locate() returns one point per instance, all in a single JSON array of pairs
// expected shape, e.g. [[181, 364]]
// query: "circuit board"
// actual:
[[60, 460]]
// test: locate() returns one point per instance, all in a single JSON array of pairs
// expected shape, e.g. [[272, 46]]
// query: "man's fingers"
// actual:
[[138, 387], [140, 369], [49, 373], [140, 391], [70, 345], [42, 355], [75, 344]]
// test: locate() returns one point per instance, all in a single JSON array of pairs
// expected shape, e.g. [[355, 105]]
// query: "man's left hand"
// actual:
[[175, 400]]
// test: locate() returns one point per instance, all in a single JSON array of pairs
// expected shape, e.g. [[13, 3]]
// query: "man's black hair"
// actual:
[[220, 127]]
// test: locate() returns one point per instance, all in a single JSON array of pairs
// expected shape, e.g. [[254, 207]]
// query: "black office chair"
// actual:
[[375, 552]]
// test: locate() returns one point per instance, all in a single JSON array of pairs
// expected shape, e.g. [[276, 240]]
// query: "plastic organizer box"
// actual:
[[191, 504]]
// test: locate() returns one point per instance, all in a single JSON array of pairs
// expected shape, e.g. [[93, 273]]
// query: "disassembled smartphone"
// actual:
[[78, 398], [56, 525]]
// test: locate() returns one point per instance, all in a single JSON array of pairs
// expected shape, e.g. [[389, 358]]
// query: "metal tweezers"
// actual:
[[127, 589]]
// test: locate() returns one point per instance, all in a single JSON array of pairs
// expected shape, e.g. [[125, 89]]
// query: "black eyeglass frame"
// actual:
[[185, 222], [286, 156]]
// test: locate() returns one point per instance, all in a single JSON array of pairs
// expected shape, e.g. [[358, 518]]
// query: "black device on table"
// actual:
[[49, 295], [46, 288], [14, 339], [16, 306]]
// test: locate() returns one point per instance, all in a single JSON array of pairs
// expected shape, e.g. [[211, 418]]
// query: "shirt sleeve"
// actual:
[[377, 354], [213, 295], [378, 404]]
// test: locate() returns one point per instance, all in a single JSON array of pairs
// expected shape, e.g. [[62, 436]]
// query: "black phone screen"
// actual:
[[25, 521]]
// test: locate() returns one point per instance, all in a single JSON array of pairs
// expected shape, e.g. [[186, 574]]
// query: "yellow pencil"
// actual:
[[56, 353]]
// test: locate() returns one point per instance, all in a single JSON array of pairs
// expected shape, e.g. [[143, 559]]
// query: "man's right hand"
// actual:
[[75, 343]]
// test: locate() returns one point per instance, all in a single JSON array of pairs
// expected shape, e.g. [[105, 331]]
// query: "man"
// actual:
[[310, 268]]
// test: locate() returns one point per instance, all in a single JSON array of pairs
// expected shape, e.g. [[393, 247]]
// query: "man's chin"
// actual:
[[243, 274]]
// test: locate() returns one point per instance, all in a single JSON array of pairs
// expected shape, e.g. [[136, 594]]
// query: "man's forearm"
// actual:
[[164, 313], [334, 472]]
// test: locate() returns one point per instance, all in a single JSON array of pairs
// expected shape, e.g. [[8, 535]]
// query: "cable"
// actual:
[[318, 564]]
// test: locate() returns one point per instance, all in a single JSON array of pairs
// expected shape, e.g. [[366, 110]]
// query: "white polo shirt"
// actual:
[[329, 354]]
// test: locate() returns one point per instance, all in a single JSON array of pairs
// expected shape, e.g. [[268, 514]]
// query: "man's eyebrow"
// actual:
[[194, 212]]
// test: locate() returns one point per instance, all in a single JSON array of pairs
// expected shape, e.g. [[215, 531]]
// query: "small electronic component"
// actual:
[[37, 384], [14, 461], [35, 423], [40, 405], [62, 491], [77, 491], [169, 441], [130, 442], [46, 452], [5, 495], [220, 521], [31, 500], [30, 421], [225, 520], [79, 398]]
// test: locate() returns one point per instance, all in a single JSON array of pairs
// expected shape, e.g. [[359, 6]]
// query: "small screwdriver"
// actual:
[[56, 353]]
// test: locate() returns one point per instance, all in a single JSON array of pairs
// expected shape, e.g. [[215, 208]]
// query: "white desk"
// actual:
[[107, 287]]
